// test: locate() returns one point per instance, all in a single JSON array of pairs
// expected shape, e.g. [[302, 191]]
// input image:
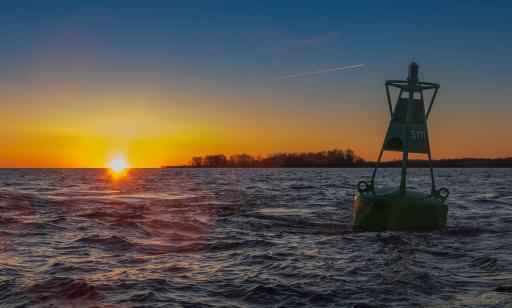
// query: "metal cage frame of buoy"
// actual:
[[407, 130]]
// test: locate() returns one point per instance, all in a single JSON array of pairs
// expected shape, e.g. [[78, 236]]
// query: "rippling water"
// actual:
[[245, 237]]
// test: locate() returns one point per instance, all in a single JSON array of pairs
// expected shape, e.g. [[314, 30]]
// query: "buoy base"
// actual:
[[392, 210]]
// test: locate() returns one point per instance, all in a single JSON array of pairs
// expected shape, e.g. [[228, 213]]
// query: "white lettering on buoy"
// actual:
[[417, 134]]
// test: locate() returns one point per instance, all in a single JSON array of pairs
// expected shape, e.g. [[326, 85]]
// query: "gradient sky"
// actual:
[[159, 81]]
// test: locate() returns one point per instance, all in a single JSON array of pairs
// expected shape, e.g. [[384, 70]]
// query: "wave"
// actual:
[[62, 290], [112, 242]]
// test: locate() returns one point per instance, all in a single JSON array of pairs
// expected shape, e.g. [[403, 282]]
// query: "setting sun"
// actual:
[[118, 164]]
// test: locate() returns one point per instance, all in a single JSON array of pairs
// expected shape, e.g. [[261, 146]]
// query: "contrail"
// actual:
[[316, 72]]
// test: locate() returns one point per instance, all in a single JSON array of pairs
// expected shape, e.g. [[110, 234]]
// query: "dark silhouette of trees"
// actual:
[[242, 160], [196, 161], [218, 160], [332, 158]]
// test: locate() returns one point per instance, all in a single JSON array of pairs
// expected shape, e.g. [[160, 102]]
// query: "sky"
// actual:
[[82, 82]]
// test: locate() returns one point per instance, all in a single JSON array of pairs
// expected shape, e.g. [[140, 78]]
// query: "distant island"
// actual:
[[330, 159]]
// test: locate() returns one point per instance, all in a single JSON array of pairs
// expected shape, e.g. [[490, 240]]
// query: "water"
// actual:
[[245, 237]]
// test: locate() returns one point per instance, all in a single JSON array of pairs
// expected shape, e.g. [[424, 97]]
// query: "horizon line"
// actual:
[[187, 166]]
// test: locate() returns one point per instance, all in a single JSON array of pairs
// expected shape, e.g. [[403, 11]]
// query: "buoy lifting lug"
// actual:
[[363, 186], [441, 194]]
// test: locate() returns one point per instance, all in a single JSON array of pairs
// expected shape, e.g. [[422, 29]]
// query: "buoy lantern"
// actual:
[[402, 208]]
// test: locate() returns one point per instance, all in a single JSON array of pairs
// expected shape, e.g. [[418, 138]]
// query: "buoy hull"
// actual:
[[395, 211]]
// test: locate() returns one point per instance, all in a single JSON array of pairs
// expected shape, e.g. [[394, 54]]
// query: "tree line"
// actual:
[[332, 158]]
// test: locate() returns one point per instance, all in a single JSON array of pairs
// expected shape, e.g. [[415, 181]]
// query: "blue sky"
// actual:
[[262, 38]]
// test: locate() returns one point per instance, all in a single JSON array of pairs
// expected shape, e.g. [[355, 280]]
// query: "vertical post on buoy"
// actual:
[[411, 78], [403, 176]]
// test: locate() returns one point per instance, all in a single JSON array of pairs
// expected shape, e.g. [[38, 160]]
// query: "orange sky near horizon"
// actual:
[[151, 126]]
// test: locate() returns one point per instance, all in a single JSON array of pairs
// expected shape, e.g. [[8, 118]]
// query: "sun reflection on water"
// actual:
[[118, 174], [118, 167]]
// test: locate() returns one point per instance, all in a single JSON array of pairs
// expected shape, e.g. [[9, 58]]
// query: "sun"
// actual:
[[118, 164]]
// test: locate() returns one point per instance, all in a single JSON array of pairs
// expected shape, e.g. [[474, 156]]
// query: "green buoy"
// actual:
[[402, 208]]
